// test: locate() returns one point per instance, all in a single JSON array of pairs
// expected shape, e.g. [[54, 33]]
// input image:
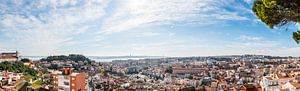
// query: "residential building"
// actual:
[[270, 84], [66, 80], [9, 56], [292, 86]]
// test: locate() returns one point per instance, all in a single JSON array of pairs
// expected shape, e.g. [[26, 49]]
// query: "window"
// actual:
[[61, 88], [66, 83]]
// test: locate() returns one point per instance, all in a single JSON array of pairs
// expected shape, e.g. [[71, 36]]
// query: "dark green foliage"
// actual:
[[278, 13], [296, 36], [31, 72], [54, 66], [25, 60], [18, 67], [169, 70], [188, 89], [40, 82], [73, 57], [103, 73], [191, 77]]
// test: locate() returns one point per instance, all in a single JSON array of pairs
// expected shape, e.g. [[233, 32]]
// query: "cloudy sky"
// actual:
[[138, 27]]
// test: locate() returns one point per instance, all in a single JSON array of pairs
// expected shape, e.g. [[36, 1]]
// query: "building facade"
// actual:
[[66, 80], [9, 56]]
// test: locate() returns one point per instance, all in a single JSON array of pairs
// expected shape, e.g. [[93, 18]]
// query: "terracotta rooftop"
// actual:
[[250, 86], [295, 84], [283, 76], [8, 57], [269, 78]]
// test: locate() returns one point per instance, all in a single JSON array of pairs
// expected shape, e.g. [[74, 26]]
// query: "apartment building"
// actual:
[[66, 80]]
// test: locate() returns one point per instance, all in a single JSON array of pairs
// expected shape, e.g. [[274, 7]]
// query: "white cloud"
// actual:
[[246, 44], [62, 2], [44, 26], [49, 25], [249, 38], [252, 42], [292, 51], [136, 13], [249, 1], [147, 34]]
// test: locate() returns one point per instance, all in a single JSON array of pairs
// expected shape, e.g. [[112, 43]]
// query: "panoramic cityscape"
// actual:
[[76, 72], [149, 45]]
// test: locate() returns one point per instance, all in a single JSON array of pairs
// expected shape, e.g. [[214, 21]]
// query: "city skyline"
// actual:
[[135, 27]]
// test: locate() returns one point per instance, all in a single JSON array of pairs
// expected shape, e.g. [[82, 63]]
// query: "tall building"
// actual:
[[9, 56], [66, 80]]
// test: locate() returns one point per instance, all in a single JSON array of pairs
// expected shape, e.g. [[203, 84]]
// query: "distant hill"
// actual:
[[72, 57]]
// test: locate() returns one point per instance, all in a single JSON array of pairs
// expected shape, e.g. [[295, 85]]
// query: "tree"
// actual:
[[188, 89], [72, 57], [25, 60], [54, 66], [277, 13], [103, 73], [19, 67], [191, 77], [169, 70]]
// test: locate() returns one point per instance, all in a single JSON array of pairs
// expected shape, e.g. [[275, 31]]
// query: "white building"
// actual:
[[270, 84], [292, 86], [9, 56]]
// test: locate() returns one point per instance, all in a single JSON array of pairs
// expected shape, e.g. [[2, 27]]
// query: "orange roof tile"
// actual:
[[8, 57], [295, 84]]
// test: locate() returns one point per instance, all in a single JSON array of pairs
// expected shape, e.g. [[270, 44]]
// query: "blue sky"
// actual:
[[139, 27]]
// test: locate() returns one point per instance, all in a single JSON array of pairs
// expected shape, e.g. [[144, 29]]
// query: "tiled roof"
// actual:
[[8, 57], [295, 84], [249, 86]]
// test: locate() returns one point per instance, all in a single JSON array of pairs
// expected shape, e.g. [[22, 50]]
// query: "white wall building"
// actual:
[[9, 56]]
